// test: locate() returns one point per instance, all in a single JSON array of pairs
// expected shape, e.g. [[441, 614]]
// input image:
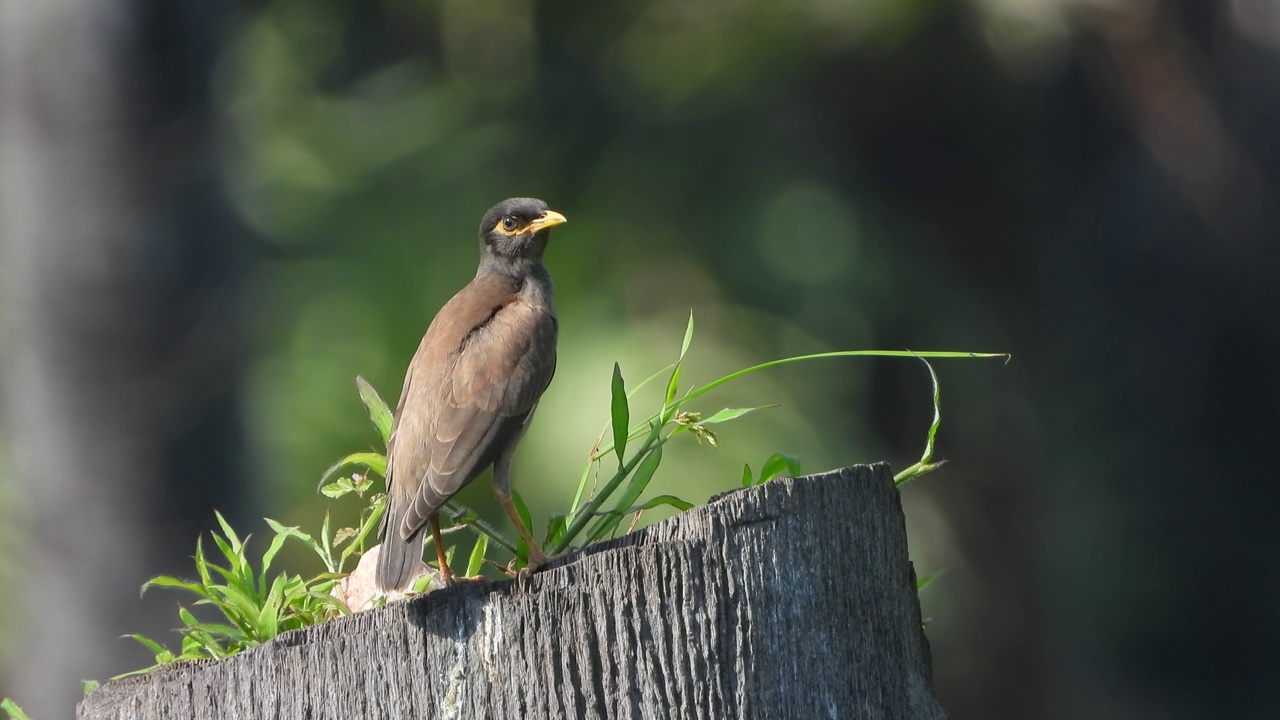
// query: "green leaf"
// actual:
[[230, 534], [639, 481], [476, 561], [240, 609], [793, 464], [337, 488], [375, 462], [326, 545], [269, 614], [777, 465], [293, 532], [694, 394], [370, 523], [150, 644], [522, 548], [673, 386], [12, 710], [89, 686], [225, 548], [660, 501], [927, 580], [173, 582], [556, 525], [276, 543], [201, 566], [620, 413], [379, 413], [926, 465], [728, 414], [746, 475], [927, 457], [688, 336]]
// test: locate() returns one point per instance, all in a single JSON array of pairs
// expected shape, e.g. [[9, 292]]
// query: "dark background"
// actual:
[[215, 214]]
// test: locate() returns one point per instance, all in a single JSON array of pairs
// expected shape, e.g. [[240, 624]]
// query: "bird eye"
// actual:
[[509, 223]]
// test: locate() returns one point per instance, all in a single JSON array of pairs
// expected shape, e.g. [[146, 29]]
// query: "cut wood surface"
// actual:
[[794, 599]]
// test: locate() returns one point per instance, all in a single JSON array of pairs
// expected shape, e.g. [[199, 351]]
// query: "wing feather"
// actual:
[[483, 364]]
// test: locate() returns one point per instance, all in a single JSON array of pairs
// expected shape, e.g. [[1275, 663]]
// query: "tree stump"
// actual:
[[794, 599]]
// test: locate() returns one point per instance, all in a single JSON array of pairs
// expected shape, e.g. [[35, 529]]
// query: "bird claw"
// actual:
[[536, 561], [446, 577]]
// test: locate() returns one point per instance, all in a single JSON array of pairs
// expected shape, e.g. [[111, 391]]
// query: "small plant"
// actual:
[[257, 606], [12, 711]]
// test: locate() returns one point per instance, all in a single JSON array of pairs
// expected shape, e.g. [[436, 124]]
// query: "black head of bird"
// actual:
[[471, 389], [517, 229]]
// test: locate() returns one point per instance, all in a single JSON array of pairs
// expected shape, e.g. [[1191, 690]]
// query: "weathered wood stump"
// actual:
[[794, 599]]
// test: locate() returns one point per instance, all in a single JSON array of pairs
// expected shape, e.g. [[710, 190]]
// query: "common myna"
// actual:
[[471, 389]]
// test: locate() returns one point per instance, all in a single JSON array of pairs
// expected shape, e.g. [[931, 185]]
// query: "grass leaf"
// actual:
[[620, 412], [12, 710], [522, 549], [639, 481], [937, 414], [476, 561], [688, 336], [927, 580], [375, 462], [379, 413], [778, 465], [728, 414], [673, 386]]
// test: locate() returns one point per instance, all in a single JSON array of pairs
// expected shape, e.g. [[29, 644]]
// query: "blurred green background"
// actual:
[[216, 214]]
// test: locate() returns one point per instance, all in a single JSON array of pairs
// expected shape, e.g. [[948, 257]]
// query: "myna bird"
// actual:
[[471, 389]]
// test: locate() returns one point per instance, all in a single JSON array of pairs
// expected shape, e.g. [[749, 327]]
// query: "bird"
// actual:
[[471, 389]]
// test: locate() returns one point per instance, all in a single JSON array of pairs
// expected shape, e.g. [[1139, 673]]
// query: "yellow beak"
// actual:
[[549, 219]]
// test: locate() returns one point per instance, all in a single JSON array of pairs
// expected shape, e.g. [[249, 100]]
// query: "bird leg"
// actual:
[[447, 577], [502, 490]]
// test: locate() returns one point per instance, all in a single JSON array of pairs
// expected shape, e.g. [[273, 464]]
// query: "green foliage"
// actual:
[[674, 418], [257, 605], [12, 711]]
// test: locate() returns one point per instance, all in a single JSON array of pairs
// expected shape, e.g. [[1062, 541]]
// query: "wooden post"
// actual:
[[794, 599]]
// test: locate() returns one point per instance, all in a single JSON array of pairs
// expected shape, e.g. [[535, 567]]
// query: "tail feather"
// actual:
[[398, 560]]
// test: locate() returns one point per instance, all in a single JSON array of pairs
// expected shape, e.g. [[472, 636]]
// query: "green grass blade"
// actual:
[[673, 386], [927, 457], [688, 336], [619, 412], [12, 710], [927, 580], [379, 413], [165, 581], [587, 512], [230, 534], [636, 487], [522, 549], [660, 501], [476, 561], [821, 356], [375, 462], [370, 523], [728, 414]]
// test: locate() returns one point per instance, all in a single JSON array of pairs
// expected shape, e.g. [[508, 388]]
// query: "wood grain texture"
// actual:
[[795, 599]]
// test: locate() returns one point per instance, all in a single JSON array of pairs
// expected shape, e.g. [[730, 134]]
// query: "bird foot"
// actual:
[[536, 561]]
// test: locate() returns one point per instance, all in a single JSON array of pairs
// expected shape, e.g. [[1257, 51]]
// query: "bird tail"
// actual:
[[398, 558]]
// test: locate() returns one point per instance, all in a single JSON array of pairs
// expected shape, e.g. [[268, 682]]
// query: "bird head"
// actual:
[[518, 228]]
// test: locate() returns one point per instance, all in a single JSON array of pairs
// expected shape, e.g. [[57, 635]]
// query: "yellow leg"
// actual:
[[446, 574]]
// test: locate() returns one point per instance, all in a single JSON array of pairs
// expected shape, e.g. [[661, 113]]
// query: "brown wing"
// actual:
[[483, 364]]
